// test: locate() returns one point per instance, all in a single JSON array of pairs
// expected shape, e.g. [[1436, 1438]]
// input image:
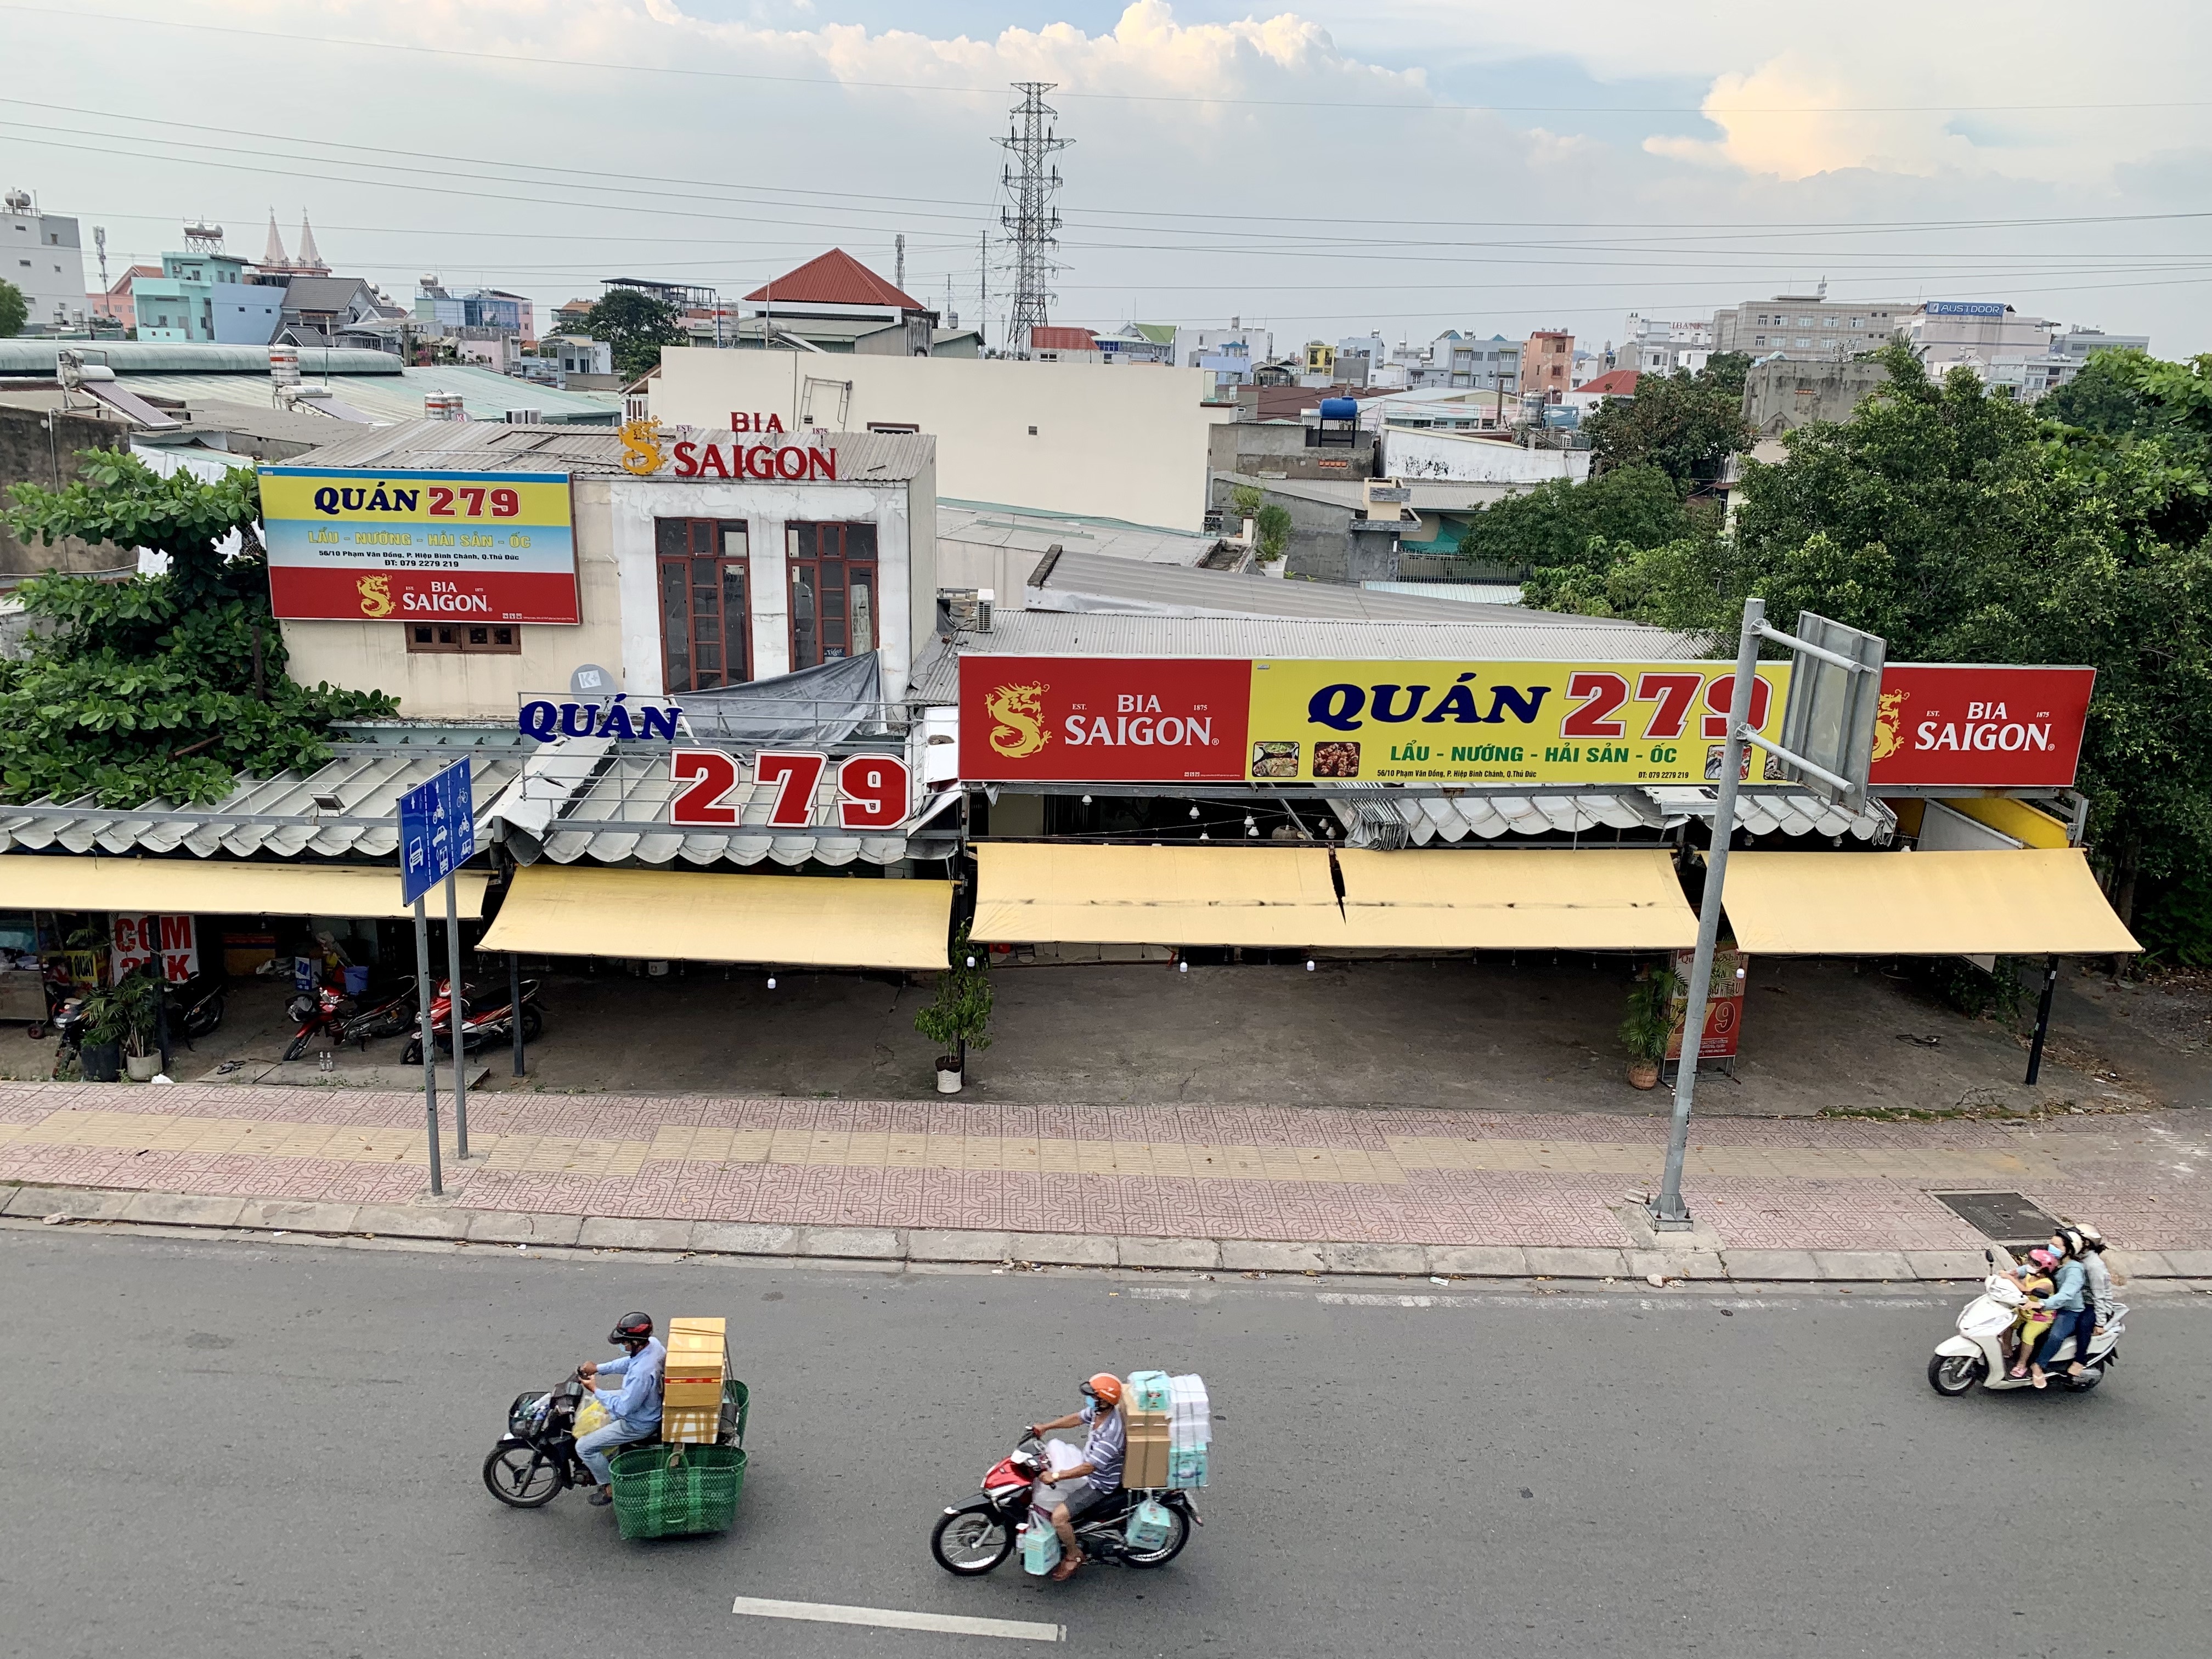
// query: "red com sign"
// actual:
[[1964, 724], [1108, 719]]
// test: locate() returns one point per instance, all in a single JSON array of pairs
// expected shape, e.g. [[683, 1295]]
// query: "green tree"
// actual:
[[1964, 528], [634, 326], [1555, 523], [15, 311], [957, 1016], [166, 685], [1686, 424], [1272, 525]]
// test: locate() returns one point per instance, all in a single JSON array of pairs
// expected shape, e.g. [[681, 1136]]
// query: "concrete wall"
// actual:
[[1778, 396], [1419, 454], [32, 452], [1278, 449], [1130, 446]]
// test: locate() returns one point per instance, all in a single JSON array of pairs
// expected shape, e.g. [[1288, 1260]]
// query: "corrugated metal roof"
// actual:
[[388, 398], [1372, 815], [979, 524], [352, 787], [862, 456], [1090, 582], [37, 356], [1049, 633], [1487, 593]]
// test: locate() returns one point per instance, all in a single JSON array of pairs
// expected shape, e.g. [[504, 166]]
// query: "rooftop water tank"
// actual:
[[1339, 409]]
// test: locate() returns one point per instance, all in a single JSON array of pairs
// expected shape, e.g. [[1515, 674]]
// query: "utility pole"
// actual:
[[983, 291], [898, 264], [1031, 219]]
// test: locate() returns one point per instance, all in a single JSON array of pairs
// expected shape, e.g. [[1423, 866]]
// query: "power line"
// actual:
[[832, 82]]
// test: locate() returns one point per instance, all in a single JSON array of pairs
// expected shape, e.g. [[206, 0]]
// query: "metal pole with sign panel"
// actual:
[[437, 836], [1835, 687]]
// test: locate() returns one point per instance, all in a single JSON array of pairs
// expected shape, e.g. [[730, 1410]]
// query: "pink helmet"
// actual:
[[2043, 1259]]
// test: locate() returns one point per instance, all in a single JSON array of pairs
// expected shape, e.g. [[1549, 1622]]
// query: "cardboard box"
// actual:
[[692, 1427], [1146, 1462]]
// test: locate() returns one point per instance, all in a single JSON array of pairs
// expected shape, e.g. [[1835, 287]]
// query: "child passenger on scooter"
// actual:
[[2034, 1278]]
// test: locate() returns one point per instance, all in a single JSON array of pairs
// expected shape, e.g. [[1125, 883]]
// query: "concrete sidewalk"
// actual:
[[1239, 1188]]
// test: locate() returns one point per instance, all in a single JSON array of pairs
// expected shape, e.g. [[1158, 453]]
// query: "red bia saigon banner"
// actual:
[[1964, 724]]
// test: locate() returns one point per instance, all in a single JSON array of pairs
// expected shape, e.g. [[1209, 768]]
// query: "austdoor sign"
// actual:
[[357, 546]]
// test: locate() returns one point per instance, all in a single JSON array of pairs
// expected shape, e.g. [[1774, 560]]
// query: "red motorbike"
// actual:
[[971, 1539], [327, 1013], [481, 1026]]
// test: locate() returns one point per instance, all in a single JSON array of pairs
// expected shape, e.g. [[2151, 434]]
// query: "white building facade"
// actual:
[[41, 254]]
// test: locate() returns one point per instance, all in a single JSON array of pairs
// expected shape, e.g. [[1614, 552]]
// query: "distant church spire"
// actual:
[[272, 257], [310, 259]]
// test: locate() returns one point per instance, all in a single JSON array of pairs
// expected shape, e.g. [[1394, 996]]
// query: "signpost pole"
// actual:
[[2042, 1019], [459, 1018], [1671, 1213], [515, 1004], [429, 1048]]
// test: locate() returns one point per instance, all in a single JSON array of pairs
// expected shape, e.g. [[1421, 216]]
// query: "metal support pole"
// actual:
[[458, 1017], [515, 1004], [429, 1048], [1671, 1213], [2042, 1019]]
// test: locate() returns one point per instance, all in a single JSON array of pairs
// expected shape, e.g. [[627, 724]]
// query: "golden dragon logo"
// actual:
[[1020, 712], [1889, 725], [642, 452], [375, 595]]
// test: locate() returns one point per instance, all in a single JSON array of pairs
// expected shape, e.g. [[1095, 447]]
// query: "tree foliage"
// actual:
[[634, 326], [959, 1017], [1686, 424], [1963, 527], [146, 686], [15, 311], [1555, 524]]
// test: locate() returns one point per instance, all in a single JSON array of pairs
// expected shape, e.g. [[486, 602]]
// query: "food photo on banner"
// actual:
[[353, 546]]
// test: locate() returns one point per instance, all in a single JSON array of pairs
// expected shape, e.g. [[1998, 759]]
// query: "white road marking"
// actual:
[[898, 1619]]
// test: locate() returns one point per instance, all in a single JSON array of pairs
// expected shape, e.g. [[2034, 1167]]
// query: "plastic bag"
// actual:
[[1149, 1526], [1040, 1547], [592, 1415]]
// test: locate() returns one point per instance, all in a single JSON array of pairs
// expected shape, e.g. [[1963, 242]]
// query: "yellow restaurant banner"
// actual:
[[1499, 722]]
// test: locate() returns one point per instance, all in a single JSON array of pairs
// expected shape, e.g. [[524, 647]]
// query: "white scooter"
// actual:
[[1977, 1353]]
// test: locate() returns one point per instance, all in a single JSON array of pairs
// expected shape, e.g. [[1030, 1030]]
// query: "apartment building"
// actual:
[[1807, 326]]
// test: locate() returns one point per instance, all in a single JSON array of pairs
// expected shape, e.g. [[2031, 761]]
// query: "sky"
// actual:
[[1403, 166]]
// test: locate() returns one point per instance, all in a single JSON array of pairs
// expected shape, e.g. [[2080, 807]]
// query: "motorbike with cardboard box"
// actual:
[[976, 1537]]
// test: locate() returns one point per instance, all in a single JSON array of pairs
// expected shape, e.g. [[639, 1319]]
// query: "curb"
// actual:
[[922, 1246]]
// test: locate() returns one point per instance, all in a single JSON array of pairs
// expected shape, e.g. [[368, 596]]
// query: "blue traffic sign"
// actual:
[[437, 830]]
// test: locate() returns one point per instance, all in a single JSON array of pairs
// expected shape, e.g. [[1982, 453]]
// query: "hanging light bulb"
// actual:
[[1248, 820], [1202, 835], [1253, 831], [971, 962], [1086, 800], [771, 981], [1193, 811], [1183, 967], [1309, 967]]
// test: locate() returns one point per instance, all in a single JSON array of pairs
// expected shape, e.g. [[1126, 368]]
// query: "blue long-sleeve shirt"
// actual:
[[2067, 1283], [637, 1401]]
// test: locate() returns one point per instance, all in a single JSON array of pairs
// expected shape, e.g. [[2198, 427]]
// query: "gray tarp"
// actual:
[[815, 706]]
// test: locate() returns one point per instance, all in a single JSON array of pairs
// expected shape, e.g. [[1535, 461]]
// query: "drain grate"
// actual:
[[2008, 1217]]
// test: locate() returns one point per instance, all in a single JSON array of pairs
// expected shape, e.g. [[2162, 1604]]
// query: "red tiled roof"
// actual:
[[1062, 339], [835, 279], [1613, 383]]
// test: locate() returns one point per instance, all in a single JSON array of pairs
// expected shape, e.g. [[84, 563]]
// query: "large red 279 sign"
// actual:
[[872, 789]]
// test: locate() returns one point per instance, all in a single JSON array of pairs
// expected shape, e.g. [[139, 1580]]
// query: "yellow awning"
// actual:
[[213, 887], [1284, 897], [1516, 899], [1279, 896], [804, 922], [2035, 902]]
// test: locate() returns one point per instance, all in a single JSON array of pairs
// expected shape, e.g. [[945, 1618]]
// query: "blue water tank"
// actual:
[[1339, 409]]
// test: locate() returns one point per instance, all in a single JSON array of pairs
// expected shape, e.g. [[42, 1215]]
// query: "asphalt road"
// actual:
[[236, 1450]]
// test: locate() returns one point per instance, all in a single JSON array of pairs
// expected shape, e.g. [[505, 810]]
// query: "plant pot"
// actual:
[[143, 1068], [948, 1074], [1643, 1073], [101, 1062]]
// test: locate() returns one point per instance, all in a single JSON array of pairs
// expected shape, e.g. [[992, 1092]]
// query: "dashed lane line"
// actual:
[[948, 1624]]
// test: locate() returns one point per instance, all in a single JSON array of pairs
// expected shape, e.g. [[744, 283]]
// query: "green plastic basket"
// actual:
[[672, 1492], [736, 1398]]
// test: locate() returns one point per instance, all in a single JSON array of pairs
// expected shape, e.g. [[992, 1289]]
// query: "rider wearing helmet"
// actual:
[[633, 1409], [1100, 1471]]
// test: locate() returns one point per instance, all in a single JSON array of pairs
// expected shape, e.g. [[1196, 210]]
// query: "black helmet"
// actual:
[[632, 1328]]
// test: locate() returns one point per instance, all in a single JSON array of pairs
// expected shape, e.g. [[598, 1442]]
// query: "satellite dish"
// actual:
[[592, 681]]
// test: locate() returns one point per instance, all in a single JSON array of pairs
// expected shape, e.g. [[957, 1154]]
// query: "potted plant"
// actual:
[[141, 995], [106, 1024], [957, 1016], [1650, 1025]]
